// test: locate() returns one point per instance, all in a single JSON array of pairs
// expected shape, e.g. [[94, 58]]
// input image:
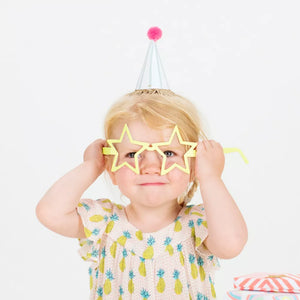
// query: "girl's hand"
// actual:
[[210, 160], [94, 152]]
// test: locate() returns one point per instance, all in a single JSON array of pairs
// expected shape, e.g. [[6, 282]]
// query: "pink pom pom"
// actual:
[[154, 33]]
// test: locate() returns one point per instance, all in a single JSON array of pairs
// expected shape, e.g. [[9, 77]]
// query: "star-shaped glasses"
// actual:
[[179, 158]]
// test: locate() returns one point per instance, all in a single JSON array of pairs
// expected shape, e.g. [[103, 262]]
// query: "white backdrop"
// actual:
[[62, 63]]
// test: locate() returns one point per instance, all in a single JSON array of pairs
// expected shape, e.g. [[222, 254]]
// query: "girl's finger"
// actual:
[[218, 145], [212, 143], [208, 145], [201, 146]]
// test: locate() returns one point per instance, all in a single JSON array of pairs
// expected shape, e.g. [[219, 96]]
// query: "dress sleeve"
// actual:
[[94, 215], [199, 223]]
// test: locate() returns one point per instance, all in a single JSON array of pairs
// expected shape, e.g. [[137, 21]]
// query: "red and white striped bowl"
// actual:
[[285, 283]]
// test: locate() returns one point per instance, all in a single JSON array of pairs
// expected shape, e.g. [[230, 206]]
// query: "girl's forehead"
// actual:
[[141, 132]]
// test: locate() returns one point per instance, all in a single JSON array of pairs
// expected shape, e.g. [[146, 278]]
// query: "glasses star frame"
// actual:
[[149, 147], [191, 152]]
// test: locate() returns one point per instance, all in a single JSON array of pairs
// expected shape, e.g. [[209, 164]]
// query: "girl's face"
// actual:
[[149, 187]]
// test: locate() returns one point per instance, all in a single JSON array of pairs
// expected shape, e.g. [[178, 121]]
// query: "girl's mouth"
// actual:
[[152, 183]]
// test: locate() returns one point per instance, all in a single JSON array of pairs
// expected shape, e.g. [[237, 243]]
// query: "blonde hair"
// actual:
[[159, 109]]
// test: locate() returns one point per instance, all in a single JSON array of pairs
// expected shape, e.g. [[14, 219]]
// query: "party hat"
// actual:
[[152, 75]]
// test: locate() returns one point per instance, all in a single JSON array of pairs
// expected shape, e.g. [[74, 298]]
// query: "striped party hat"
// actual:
[[152, 75]]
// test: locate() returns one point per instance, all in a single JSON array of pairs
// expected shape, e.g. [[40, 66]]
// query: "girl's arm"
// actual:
[[57, 209], [227, 230]]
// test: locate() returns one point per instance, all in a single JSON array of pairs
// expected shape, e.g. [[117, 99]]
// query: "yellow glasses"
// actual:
[[163, 148]]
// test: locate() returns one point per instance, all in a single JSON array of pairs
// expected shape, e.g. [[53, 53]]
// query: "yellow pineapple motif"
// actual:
[[142, 267], [145, 294], [201, 222], [192, 226], [111, 223], [109, 226], [91, 282], [119, 206], [96, 218], [181, 257], [107, 283], [198, 240], [91, 278], [100, 293], [109, 210], [149, 252], [130, 282], [139, 235], [87, 208], [214, 262], [188, 209], [113, 249], [178, 284], [201, 296], [101, 264], [194, 270], [122, 263], [200, 263], [94, 253], [82, 242], [197, 214], [87, 232], [161, 283], [123, 239], [169, 247], [212, 287], [88, 255], [121, 292], [106, 201], [178, 225]]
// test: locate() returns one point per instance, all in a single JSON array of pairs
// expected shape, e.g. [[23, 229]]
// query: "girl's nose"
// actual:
[[150, 163]]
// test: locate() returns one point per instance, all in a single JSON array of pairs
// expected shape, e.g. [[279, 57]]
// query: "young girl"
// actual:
[[158, 246]]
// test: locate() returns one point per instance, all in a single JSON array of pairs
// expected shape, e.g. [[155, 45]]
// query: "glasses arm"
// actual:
[[228, 150]]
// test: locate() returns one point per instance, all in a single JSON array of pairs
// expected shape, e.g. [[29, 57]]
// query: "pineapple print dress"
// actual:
[[171, 263]]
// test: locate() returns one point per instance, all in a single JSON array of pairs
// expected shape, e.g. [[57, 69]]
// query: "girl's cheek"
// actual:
[[175, 160], [131, 162], [127, 160]]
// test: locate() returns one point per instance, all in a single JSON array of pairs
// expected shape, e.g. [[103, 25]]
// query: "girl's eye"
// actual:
[[130, 154], [169, 153]]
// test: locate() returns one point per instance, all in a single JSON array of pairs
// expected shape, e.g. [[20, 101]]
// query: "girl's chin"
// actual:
[[153, 202]]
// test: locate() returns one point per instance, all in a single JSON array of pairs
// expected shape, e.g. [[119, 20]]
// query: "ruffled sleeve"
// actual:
[[95, 215], [199, 230]]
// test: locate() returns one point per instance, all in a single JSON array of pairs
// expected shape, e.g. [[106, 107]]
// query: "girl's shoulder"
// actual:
[[194, 213], [96, 215], [192, 209], [104, 206], [194, 218]]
